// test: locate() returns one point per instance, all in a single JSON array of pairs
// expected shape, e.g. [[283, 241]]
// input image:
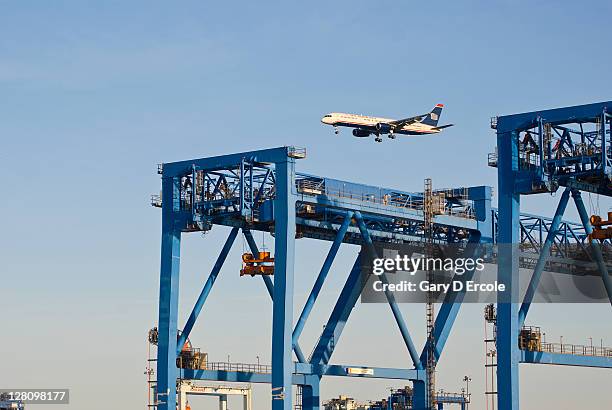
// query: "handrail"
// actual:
[[578, 350], [239, 367], [310, 187]]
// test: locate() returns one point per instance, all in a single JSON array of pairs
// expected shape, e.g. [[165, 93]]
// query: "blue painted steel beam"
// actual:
[[397, 314], [523, 121], [420, 395], [544, 253], [272, 155], [595, 250], [242, 187], [391, 211], [314, 293], [311, 395], [563, 359], [602, 188], [299, 353], [401, 324], [263, 183], [282, 309], [378, 234], [300, 370], [508, 269], [604, 151], [197, 308], [239, 377], [339, 316], [168, 296], [450, 309], [374, 372], [387, 215]]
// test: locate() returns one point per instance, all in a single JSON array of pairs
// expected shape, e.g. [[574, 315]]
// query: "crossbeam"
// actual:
[[306, 369], [565, 359]]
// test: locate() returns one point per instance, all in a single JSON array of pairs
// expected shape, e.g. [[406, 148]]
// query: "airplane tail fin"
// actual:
[[433, 117]]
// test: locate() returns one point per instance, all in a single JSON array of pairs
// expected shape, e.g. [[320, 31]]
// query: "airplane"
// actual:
[[364, 126]]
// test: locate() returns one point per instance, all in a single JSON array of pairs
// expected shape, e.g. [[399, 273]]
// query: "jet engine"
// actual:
[[383, 128], [358, 132]]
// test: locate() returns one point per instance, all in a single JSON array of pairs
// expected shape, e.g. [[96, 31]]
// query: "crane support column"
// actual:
[[282, 312], [168, 295], [310, 394], [508, 270], [420, 389]]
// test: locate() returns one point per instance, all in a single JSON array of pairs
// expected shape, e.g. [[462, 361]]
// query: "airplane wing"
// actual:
[[407, 121], [441, 127]]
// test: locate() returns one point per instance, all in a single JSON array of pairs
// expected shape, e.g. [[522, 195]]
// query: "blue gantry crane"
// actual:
[[566, 149], [261, 191]]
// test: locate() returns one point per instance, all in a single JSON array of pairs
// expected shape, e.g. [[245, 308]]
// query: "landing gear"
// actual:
[[336, 130], [391, 135], [378, 139]]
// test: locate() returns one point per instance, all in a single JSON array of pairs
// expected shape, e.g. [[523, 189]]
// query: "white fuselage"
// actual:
[[339, 119]]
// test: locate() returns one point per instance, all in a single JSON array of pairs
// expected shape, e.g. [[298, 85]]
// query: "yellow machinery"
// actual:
[[601, 231], [530, 338], [262, 265], [192, 359]]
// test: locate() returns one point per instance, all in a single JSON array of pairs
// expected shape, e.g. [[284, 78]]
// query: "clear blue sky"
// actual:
[[94, 95]]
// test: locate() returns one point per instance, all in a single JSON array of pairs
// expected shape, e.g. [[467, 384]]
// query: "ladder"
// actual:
[[298, 397], [490, 356], [428, 214]]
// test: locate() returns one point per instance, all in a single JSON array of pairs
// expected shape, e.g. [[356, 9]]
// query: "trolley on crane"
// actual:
[[602, 229], [263, 264]]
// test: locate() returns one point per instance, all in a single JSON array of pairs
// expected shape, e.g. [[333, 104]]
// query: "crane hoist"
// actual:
[[263, 264]]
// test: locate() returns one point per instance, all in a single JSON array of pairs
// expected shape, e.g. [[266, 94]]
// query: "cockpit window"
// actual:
[[328, 115]]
